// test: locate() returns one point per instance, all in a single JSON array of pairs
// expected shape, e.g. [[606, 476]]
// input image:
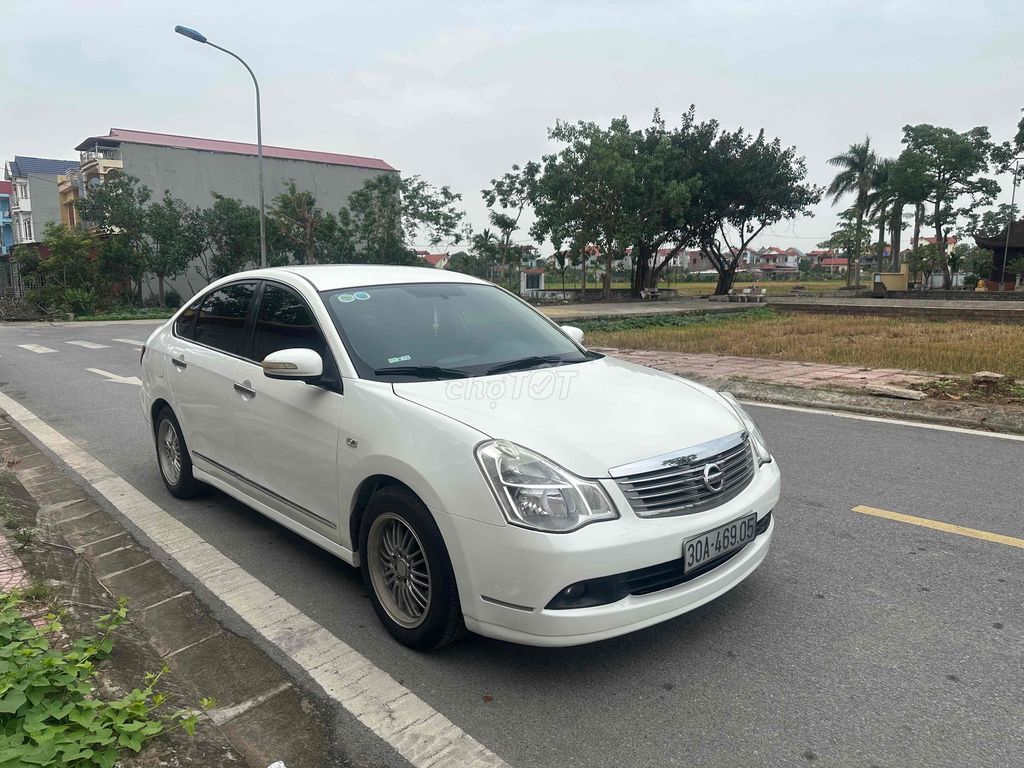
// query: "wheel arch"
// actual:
[[361, 499], [154, 410]]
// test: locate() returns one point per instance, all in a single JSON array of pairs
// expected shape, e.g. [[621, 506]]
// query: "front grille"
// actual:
[[675, 484]]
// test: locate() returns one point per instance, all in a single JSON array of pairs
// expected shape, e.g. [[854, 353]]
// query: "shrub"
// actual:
[[81, 301], [971, 282], [50, 710], [172, 299]]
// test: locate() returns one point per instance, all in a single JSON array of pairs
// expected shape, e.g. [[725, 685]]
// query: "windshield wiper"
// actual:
[[423, 371], [524, 363]]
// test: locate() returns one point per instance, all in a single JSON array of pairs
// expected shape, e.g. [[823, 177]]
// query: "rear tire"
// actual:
[[172, 456], [407, 572]]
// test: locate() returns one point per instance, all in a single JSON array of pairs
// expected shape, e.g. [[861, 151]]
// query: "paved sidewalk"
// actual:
[[804, 375]]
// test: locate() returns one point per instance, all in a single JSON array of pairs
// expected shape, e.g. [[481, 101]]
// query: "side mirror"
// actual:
[[301, 364], [573, 333]]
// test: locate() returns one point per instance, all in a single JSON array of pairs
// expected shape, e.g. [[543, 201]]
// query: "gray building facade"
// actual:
[[34, 199], [193, 169]]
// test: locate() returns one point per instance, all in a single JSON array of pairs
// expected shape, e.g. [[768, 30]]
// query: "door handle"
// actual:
[[179, 362], [244, 389]]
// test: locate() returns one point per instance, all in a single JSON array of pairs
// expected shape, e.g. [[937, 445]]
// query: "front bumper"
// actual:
[[507, 575]]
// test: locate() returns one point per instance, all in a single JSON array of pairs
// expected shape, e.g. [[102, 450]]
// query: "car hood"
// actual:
[[587, 417]]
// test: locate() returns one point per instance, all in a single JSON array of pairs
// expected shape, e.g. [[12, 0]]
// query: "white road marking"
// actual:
[[38, 349], [88, 344], [115, 378], [136, 342], [419, 733], [883, 420]]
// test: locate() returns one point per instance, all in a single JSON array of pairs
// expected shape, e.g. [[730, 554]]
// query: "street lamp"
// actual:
[[1009, 224], [199, 37]]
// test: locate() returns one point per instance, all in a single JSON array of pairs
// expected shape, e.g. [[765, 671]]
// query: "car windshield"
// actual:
[[444, 330]]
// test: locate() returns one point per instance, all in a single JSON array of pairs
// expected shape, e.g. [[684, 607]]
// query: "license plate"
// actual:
[[717, 542]]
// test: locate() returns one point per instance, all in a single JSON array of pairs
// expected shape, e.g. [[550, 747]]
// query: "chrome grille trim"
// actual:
[[673, 484]]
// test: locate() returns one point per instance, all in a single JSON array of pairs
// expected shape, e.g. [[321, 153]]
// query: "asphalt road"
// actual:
[[860, 641]]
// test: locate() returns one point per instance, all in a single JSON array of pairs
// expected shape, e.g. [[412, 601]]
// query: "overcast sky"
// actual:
[[458, 91]]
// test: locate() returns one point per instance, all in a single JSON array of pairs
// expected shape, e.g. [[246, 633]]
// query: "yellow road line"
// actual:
[[938, 525]]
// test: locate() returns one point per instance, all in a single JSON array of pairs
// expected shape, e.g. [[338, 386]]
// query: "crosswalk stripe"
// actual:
[[37, 348], [135, 342], [88, 344]]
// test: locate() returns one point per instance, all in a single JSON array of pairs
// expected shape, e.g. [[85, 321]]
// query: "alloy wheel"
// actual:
[[398, 570]]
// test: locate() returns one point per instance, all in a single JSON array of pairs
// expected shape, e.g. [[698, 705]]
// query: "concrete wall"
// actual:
[[194, 175], [42, 190]]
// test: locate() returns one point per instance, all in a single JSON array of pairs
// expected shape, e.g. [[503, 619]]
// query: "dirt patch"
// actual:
[[1005, 392]]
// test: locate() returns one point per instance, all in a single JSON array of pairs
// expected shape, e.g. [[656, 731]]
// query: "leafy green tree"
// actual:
[[231, 237], [468, 264], [749, 183], [991, 222], [581, 196], [512, 192], [430, 212], [953, 165], [908, 185], [849, 237], [857, 165], [306, 231], [172, 245], [374, 216], [117, 209], [484, 246]]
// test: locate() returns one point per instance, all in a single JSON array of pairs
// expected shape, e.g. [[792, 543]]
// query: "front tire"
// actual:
[[407, 571], [173, 457]]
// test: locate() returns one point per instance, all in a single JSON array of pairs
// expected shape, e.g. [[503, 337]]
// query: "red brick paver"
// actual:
[[805, 375]]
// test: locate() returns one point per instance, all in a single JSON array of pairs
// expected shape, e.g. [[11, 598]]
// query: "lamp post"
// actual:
[[192, 34], [1009, 224]]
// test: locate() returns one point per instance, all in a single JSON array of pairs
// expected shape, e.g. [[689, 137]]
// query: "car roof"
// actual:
[[327, 277]]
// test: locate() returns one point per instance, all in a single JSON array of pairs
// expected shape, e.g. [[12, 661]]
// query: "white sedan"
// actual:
[[482, 468]]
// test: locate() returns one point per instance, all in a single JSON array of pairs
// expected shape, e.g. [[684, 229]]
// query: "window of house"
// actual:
[[533, 282], [221, 320], [28, 229]]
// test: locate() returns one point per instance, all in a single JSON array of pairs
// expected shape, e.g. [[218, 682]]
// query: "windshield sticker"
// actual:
[[401, 359], [360, 295], [346, 298]]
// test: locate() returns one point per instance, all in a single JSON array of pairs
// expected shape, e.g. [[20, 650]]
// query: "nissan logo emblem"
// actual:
[[714, 477]]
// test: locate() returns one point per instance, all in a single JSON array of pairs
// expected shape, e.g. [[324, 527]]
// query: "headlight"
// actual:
[[760, 448], [536, 493]]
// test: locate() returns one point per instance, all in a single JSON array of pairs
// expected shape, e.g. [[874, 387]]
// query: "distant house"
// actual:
[[34, 201], [6, 232], [531, 280], [435, 260], [835, 265]]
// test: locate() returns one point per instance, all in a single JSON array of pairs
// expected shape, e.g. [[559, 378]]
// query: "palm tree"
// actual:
[[879, 200], [856, 164]]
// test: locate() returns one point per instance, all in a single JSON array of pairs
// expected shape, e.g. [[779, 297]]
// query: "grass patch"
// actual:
[[944, 347], [668, 321], [139, 314]]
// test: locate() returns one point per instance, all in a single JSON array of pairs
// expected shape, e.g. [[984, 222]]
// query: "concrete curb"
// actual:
[[91, 559]]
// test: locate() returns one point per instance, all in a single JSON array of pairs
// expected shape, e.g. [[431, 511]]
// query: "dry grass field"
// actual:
[[774, 288], [952, 347]]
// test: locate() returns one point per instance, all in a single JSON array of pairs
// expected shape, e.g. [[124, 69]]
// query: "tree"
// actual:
[[231, 241], [70, 260], [117, 209], [849, 237], [374, 216], [304, 230], [749, 184], [991, 222], [880, 198], [856, 166], [908, 186], [172, 243], [430, 212], [512, 192], [485, 248], [952, 164]]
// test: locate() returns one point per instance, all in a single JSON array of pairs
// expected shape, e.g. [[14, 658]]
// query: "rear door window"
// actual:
[[222, 316]]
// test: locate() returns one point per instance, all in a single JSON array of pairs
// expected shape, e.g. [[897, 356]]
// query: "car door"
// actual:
[[288, 431], [204, 356]]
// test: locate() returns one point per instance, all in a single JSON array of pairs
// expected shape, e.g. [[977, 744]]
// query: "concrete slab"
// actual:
[[304, 741]]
